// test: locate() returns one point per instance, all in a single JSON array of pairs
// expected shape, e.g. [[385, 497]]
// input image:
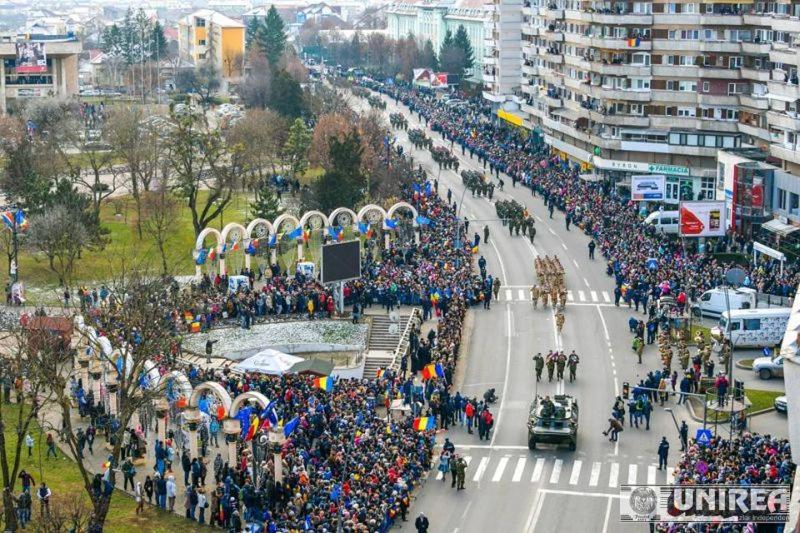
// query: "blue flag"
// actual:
[[289, 428], [423, 221], [428, 188], [273, 240], [390, 223], [296, 233], [244, 419], [202, 255], [363, 227], [307, 525], [416, 187]]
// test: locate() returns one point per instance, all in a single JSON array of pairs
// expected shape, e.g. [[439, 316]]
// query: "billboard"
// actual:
[[648, 187], [341, 261], [31, 57], [702, 219]]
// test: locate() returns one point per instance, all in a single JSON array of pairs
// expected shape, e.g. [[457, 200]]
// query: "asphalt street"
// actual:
[[510, 488]]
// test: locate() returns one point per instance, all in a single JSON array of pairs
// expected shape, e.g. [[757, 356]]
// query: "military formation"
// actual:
[[376, 102], [550, 286], [360, 92], [398, 121], [419, 139], [477, 184], [516, 217], [444, 158]]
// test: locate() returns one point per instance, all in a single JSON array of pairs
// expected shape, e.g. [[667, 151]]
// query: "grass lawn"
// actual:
[[64, 479], [702, 329], [759, 400]]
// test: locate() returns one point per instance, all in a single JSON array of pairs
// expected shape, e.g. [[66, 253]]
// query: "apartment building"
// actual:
[[206, 35], [502, 52], [632, 87], [37, 66]]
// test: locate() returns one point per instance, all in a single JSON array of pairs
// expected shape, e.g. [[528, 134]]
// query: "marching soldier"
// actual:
[[551, 366], [560, 321], [572, 363], [539, 362], [531, 233], [496, 288], [535, 296], [560, 363]]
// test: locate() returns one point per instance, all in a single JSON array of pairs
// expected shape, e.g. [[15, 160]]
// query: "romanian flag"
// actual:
[[254, 422], [235, 246], [381, 372], [220, 412], [432, 370], [424, 423], [306, 235], [325, 383], [212, 253]]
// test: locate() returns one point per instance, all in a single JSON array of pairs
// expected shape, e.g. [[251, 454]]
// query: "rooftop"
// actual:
[[212, 16]]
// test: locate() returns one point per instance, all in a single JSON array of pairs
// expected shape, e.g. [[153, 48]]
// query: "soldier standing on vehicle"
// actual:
[[539, 362], [572, 362]]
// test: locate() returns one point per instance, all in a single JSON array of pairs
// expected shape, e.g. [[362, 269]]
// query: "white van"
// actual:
[[712, 303], [754, 328], [665, 221]]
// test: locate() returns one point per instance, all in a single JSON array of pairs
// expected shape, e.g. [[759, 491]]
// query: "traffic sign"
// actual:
[[703, 436], [767, 351], [652, 264]]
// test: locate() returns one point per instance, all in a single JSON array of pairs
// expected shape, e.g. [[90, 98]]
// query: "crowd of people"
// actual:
[[602, 212]]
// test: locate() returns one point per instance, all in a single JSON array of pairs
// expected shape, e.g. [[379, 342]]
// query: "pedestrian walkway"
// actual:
[[518, 293], [568, 473]]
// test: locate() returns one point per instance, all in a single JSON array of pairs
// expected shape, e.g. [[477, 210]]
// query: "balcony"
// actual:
[[784, 120], [784, 153], [625, 95], [753, 101], [489, 78], [557, 59], [757, 19], [754, 131], [553, 14], [719, 73], [490, 60], [756, 48], [678, 97], [554, 102], [577, 38], [720, 46], [677, 19], [528, 29], [610, 43], [695, 46], [618, 19], [713, 19], [784, 23], [717, 99], [530, 70], [574, 14], [577, 85], [784, 90], [553, 36], [675, 71], [755, 74], [489, 43], [620, 119], [618, 69], [787, 56]]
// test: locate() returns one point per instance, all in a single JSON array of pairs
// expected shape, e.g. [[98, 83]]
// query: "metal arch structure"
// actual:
[[283, 218], [308, 215], [251, 227], [414, 212], [226, 231], [216, 389], [198, 246], [343, 210], [373, 207], [249, 395]]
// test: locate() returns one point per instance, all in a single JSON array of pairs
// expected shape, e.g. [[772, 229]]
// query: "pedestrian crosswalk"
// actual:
[[508, 468], [517, 294]]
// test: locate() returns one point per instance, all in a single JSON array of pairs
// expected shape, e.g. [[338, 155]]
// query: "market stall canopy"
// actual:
[[779, 228], [316, 367], [268, 361]]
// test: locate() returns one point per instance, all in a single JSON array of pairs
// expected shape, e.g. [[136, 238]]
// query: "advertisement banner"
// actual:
[[31, 57], [649, 187], [702, 219]]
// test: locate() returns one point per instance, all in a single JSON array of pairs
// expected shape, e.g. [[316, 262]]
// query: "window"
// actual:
[[707, 187], [643, 8], [752, 324], [709, 35], [687, 111], [200, 23], [640, 84], [781, 199], [735, 62], [672, 191], [640, 59], [201, 42], [686, 61], [687, 86], [706, 86], [637, 109], [735, 325], [709, 8], [733, 88], [671, 8]]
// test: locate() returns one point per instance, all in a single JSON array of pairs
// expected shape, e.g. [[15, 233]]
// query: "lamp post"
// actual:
[[674, 420], [734, 277]]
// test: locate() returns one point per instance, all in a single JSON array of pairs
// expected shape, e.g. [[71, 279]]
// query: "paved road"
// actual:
[[559, 488]]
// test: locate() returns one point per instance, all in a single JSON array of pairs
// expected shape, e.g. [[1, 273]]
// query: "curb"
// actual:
[[744, 367]]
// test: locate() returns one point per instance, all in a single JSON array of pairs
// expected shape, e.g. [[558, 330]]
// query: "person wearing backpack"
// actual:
[[44, 494]]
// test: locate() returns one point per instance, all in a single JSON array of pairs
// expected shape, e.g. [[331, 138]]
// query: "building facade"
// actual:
[[631, 87], [208, 36], [503, 53], [58, 76], [432, 20]]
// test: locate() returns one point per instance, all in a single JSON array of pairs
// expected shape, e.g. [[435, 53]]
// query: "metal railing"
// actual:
[[405, 339]]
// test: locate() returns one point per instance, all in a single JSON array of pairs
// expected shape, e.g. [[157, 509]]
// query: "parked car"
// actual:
[[768, 367], [781, 404], [713, 302]]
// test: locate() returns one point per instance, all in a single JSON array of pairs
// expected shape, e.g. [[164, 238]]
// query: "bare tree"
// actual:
[[260, 147], [160, 209], [93, 169], [67, 513], [60, 234]]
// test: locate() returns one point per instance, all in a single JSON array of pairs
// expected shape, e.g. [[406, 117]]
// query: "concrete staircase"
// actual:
[[385, 336]]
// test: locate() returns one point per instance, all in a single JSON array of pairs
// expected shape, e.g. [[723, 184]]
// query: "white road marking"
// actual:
[[551, 231], [505, 379], [538, 218], [570, 297], [613, 475], [481, 469], [632, 474], [509, 296], [606, 297], [608, 514], [582, 296], [603, 321], [579, 493], [537, 512], [564, 246], [585, 282], [521, 293], [651, 474], [575, 263], [576, 472], [501, 466], [594, 478], [594, 296], [467, 459], [556, 473], [537, 470], [518, 470]]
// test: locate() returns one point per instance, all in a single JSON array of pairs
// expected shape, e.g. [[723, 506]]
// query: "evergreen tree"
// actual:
[[297, 144], [451, 57], [428, 57], [343, 184], [461, 41], [158, 43], [266, 204], [251, 34], [271, 37], [286, 95]]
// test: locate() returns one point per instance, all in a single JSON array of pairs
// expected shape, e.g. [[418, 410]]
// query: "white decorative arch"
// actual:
[[283, 218], [216, 389], [184, 386], [249, 395], [313, 213], [230, 227], [371, 207], [198, 244], [257, 222], [338, 211], [401, 205]]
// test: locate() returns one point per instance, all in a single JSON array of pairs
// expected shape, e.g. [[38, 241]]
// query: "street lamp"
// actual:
[[674, 421]]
